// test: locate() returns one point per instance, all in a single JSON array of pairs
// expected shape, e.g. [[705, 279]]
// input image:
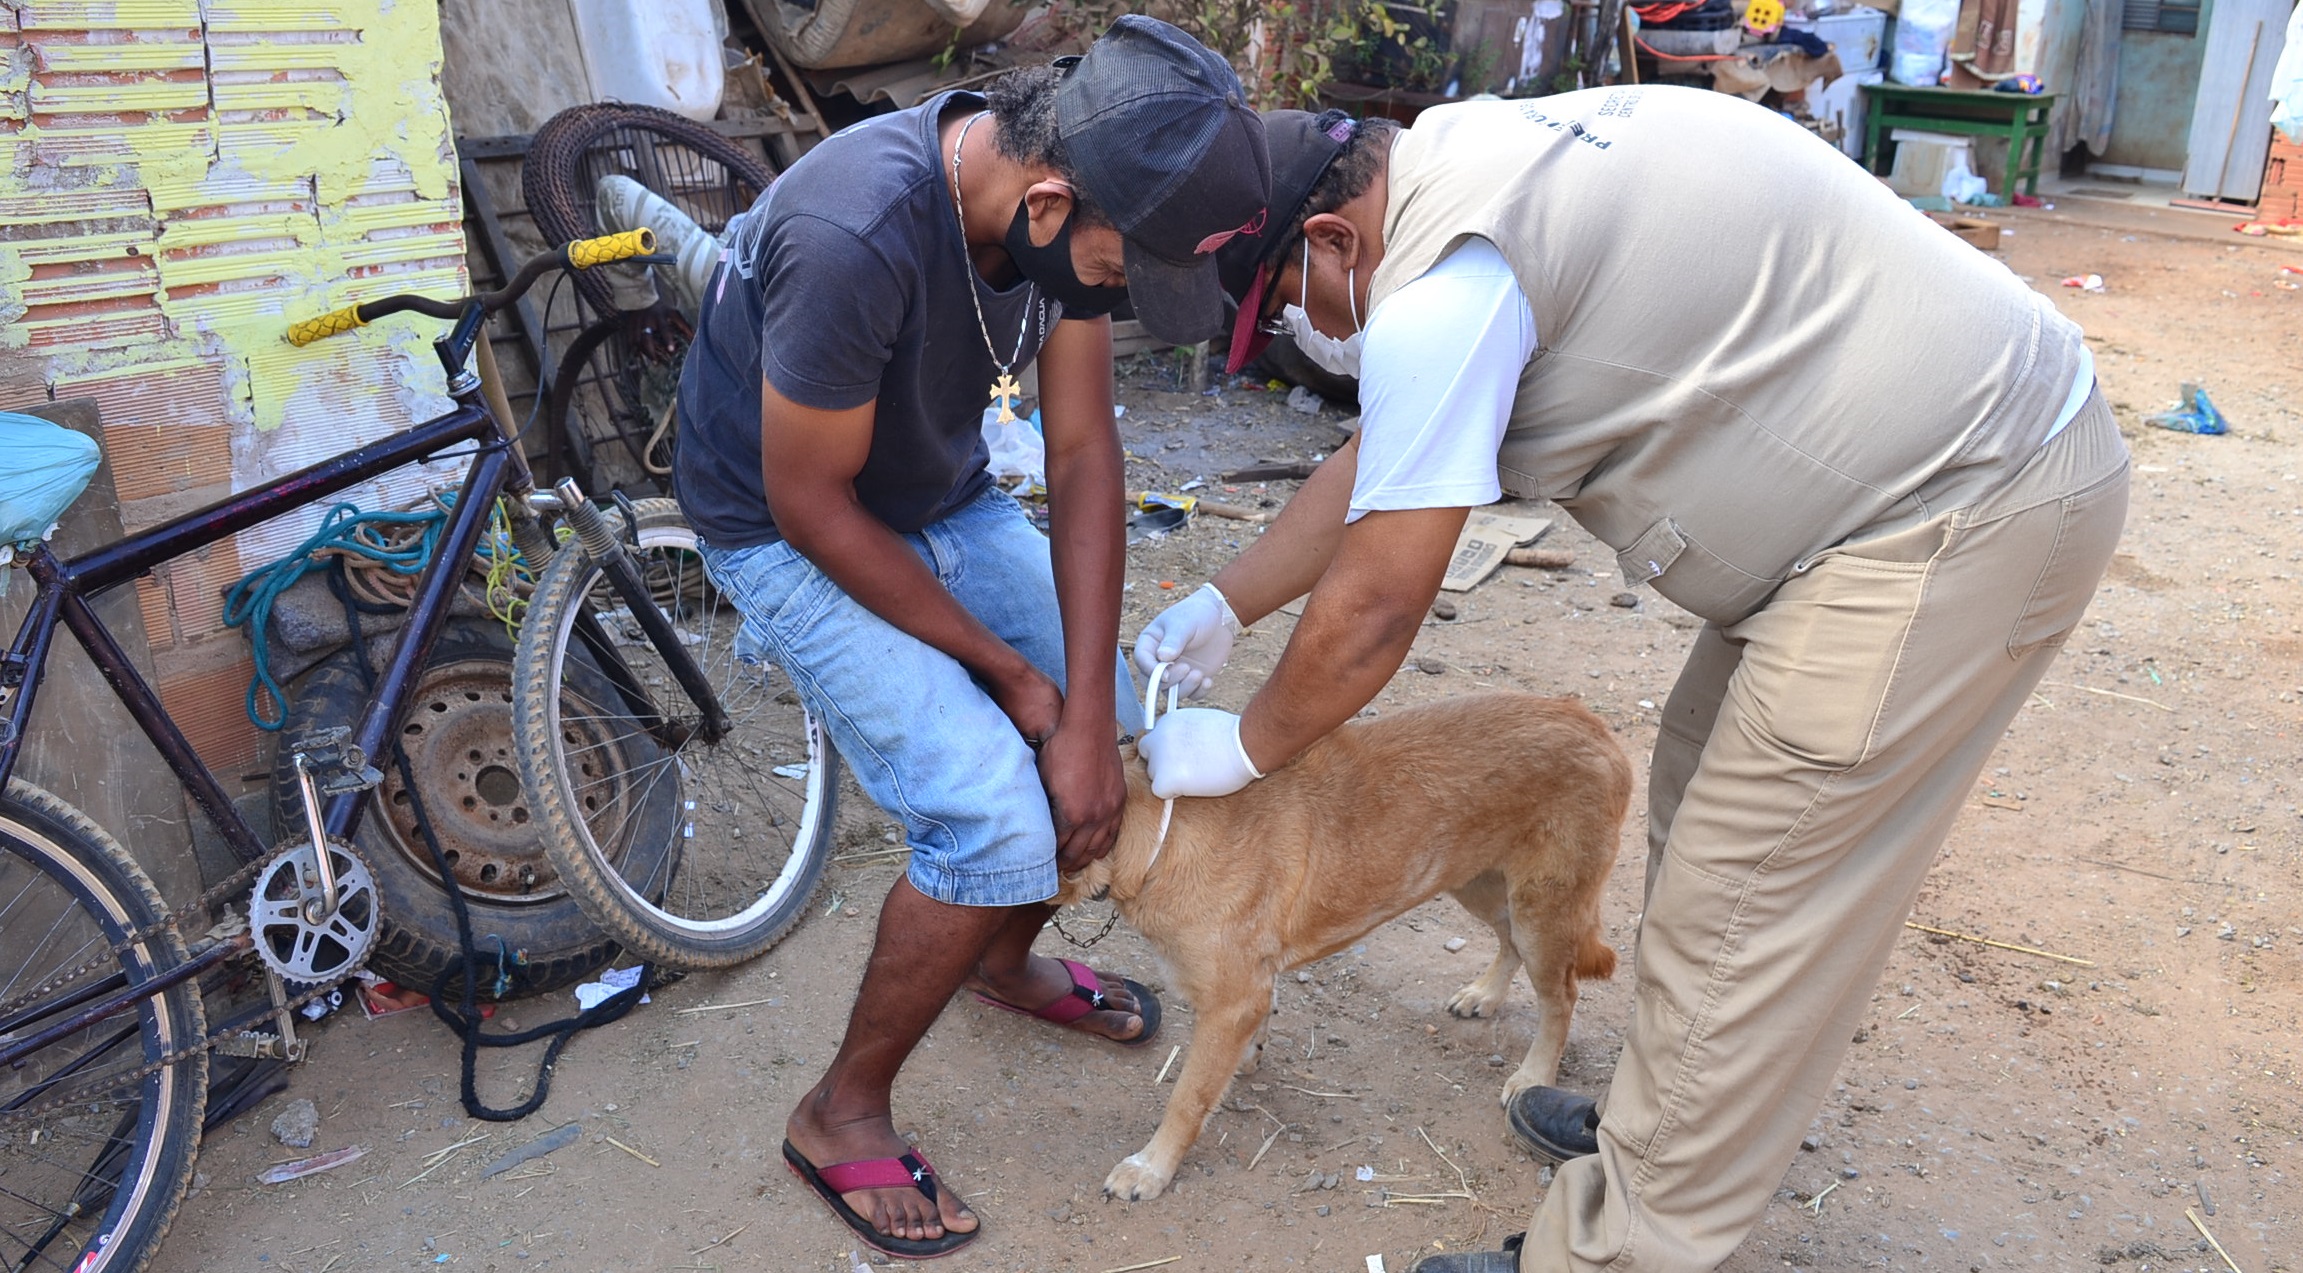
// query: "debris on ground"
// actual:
[[297, 1124], [2195, 413], [557, 1138], [313, 1166]]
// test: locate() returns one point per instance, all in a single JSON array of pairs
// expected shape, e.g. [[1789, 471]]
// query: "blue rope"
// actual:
[[346, 530]]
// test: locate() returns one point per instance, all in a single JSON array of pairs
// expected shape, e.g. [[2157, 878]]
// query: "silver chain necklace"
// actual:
[[1005, 391]]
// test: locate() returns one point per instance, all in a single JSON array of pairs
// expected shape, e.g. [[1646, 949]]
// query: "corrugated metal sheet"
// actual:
[[180, 178]]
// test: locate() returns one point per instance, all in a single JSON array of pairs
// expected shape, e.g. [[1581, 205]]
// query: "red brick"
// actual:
[[207, 698]]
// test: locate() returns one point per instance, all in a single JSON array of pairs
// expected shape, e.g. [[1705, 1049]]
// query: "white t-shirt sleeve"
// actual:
[[1440, 366]]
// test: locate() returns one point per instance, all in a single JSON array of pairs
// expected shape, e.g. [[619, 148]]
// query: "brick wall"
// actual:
[[2282, 199], [178, 179]]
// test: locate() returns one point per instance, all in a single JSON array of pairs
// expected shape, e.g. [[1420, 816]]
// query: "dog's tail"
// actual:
[[1594, 959]]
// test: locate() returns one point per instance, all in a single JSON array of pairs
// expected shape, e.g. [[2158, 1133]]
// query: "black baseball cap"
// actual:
[[1303, 147], [1160, 134]]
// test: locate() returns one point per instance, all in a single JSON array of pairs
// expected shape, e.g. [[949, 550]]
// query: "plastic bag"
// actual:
[[2287, 83], [2195, 414], [1960, 185], [43, 468], [1017, 449]]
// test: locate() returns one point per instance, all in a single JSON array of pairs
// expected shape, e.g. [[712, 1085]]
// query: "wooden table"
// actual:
[[2019, 117]]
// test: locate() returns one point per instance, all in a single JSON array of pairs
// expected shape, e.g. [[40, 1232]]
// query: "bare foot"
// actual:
[[898, 1213], [1046, 980]]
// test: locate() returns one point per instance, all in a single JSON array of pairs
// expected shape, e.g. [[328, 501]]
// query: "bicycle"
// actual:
[[608, 412], [103, 1037]]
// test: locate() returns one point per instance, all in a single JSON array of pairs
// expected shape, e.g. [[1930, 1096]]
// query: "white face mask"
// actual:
[[1337, 357]]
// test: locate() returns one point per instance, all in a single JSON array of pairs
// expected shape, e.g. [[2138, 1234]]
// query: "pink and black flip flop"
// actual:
[[911, 1171], [1087, 995]]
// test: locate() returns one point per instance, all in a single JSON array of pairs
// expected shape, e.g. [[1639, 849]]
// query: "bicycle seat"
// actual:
[[43, 468]]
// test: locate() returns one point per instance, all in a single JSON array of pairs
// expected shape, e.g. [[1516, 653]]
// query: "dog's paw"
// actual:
[[1136, 1180], [1476, 1000], [1522, 1079], [1250, 1061]]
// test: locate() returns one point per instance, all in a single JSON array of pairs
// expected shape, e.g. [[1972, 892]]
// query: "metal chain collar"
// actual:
[[1056, 921]]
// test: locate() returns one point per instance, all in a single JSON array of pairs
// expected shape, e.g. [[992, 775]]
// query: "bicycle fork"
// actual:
[[599, 542]]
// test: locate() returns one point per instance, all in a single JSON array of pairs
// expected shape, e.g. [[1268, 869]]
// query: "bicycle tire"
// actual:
[[756, 807], [77, 891], [700, 170]]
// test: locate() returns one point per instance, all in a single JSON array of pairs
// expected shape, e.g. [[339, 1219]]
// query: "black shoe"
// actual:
[[1554, 1125], [1504, 1261]]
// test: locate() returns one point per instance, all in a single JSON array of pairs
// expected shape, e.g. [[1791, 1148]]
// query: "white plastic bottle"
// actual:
[[653, 53]]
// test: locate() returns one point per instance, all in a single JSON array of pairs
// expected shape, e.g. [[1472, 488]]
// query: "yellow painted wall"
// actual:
[[178, 179]]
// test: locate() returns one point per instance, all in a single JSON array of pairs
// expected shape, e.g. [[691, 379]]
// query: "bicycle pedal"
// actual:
[[319, 738], [260, 1045]]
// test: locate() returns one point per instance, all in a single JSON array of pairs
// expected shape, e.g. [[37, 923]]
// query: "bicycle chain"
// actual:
[[238, 880], [76, 1095]]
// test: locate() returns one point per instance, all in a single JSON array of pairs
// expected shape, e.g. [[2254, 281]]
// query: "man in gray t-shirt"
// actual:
[[900, 276]]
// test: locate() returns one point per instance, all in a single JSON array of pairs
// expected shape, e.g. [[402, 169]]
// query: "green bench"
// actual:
[[2021, 118]]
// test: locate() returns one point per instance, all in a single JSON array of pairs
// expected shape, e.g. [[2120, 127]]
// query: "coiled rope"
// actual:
[[389, 550]]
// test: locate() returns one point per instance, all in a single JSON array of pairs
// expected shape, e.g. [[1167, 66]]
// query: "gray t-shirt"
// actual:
[[845, 285]]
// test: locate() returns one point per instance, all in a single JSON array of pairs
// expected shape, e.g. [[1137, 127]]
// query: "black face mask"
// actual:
[[1050, 268]]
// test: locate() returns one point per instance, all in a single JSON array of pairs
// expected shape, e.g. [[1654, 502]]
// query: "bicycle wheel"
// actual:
[[609, 412], [754, 830], [91, 1185]]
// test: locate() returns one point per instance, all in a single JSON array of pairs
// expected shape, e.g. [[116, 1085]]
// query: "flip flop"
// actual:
[[1087, 995], [910, 1171]]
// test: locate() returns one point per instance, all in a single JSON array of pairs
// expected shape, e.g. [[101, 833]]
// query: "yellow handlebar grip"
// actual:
[[326, 325], [586, 253]]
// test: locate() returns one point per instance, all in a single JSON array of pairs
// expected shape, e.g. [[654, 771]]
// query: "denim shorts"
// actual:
[[923, 738]]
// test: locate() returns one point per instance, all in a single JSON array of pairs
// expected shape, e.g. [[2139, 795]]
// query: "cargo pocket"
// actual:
[[1819, 660]]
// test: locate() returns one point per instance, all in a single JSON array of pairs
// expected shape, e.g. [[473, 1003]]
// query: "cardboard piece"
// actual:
[[1486, 537], [1976, 230], [1751, 75]]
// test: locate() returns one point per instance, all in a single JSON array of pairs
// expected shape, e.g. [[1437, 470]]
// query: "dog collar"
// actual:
[[1151, 711]]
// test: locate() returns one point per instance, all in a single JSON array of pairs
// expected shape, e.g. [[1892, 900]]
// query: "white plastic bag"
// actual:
[[1961, 185], [1017, 449], [43, 468], [1922, 37]]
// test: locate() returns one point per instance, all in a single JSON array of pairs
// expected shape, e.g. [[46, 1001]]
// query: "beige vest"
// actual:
[[1748, 349]]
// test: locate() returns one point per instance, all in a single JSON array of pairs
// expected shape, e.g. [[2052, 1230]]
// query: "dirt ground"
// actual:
[[1998, 1108]]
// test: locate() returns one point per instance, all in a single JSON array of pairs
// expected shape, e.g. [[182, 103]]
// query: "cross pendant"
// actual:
[[1005, 391]]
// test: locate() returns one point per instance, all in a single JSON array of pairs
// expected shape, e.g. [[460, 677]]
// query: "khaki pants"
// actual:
[[1812, 759]]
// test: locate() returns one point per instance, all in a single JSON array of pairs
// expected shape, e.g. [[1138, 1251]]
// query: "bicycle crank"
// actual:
[[295, 936]]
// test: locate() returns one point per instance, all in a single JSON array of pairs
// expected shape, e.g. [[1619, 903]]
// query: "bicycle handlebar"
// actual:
[[582, 254]]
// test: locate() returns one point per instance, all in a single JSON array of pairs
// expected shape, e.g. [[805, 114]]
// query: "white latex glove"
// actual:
[[1196, 752], [1195, 635]]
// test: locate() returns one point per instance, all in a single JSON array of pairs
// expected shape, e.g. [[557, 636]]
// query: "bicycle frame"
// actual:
[[65, 589]]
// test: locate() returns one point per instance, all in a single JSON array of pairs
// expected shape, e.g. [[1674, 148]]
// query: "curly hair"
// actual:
[[1352, 172], [1024, 103]]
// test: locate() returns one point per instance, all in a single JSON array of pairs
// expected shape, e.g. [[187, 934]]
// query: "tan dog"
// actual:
[[1509, 802]]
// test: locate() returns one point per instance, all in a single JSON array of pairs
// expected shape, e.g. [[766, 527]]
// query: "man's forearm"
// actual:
[[1356, 630], [1086, 490], [1290, 557], [874, 566]]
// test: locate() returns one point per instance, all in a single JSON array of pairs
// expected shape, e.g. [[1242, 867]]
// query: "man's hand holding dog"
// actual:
[[1197, 752]]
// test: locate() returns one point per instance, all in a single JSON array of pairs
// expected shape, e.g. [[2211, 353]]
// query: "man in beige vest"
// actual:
[[1870, 458]]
